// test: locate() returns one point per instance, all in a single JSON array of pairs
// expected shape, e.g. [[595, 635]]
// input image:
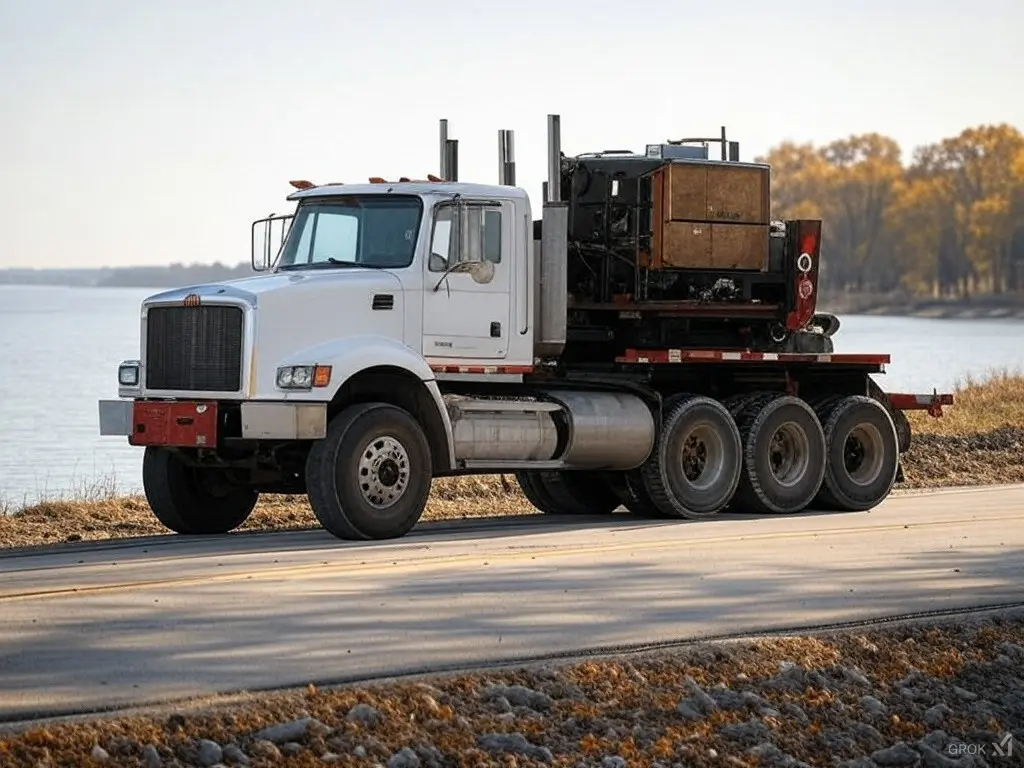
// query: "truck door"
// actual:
[[467, 302]]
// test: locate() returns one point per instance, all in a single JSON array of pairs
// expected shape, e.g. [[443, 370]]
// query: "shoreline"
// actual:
[[981, 308]]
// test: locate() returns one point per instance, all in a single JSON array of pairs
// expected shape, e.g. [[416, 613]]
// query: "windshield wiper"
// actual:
[[329, 263], [339, 263]]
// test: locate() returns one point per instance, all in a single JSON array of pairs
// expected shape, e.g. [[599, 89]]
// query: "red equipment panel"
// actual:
[[174, 424]]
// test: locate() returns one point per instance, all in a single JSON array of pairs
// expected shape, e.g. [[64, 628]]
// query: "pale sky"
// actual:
[[144, 132]]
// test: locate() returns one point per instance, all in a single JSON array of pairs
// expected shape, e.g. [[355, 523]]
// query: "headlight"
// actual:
[[303, 376], [128, 374]]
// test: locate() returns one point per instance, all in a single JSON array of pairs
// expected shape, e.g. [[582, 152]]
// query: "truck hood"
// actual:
[[252, 289], [294, 311]]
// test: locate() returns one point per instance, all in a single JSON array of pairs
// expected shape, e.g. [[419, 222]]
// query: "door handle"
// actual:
[[495, 330]]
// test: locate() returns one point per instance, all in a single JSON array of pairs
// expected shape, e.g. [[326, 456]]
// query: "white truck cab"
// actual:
[[367, 275], [369, 296]]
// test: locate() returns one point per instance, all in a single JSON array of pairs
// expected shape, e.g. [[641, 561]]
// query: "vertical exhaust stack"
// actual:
[[554, 159], [451, 160], [449, 150], [552, 292], [506, 158], [444, 150], [452, 164]]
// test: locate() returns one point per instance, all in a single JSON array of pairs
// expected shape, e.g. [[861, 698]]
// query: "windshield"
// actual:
[[371, 231]]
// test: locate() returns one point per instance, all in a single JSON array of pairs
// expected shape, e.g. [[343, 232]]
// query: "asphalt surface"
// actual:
[[93, 626]]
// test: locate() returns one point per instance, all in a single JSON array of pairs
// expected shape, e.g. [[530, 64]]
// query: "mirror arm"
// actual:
[[453, 268]]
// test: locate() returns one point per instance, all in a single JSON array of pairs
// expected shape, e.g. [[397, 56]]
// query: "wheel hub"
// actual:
[[702, 456], [383, 472], [388, 473], [789, 454], [863, 451]]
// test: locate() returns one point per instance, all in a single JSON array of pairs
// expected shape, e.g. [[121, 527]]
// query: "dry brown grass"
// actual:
[[116, 517], [978, 441], [982, 405]]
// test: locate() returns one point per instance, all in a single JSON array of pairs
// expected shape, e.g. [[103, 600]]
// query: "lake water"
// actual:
[[59, 350]]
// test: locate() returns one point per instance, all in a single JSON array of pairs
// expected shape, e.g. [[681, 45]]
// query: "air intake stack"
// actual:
[[506, 158], [449, 154]]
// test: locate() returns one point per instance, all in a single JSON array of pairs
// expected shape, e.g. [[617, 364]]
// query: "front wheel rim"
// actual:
[[383, 472]]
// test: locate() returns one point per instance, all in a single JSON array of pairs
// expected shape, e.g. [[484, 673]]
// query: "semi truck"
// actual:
[[650, 341]]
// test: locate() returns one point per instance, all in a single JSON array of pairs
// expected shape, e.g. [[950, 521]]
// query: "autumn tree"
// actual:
[[952, 223], [850, 185], [864, 171], [977, 177], [799, 180], [1015, 278]]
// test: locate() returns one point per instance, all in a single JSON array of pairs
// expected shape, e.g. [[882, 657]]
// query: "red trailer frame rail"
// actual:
[[645, 356], [901, 401], [932, 403]]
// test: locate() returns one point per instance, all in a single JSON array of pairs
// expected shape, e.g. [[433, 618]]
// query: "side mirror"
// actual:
[[268, 237], [482, 272], [469, 244]]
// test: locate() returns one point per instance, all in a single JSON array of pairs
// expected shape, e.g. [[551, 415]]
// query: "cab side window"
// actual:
[[477, 239]]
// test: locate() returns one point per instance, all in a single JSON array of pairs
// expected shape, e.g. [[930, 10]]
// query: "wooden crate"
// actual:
[[716, 192], [686, 245], [703, 245], [739, 246], [709, 216]]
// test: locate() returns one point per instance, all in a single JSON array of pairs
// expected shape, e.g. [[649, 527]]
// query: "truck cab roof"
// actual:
[[412, 188]]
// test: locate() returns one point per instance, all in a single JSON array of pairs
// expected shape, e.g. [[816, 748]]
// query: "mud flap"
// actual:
[[899, 472]]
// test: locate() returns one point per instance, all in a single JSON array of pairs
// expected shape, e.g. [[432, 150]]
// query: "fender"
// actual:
[[353, 354], [348, 356]]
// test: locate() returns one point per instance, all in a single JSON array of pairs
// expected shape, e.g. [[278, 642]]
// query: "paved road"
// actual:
[[89, 626]]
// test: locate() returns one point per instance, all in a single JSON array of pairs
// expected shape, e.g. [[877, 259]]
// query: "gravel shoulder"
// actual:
[[917, 694]]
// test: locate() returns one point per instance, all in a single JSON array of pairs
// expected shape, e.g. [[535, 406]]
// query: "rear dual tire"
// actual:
[[569, 492], [694, 469], [841, 455], [863, 454], [784, 454]]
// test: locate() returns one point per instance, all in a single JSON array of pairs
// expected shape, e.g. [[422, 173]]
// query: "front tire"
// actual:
[[369, 478], [193, 500]]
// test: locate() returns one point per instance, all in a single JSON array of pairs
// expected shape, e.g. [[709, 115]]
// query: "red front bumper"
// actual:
[[179, 424]]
